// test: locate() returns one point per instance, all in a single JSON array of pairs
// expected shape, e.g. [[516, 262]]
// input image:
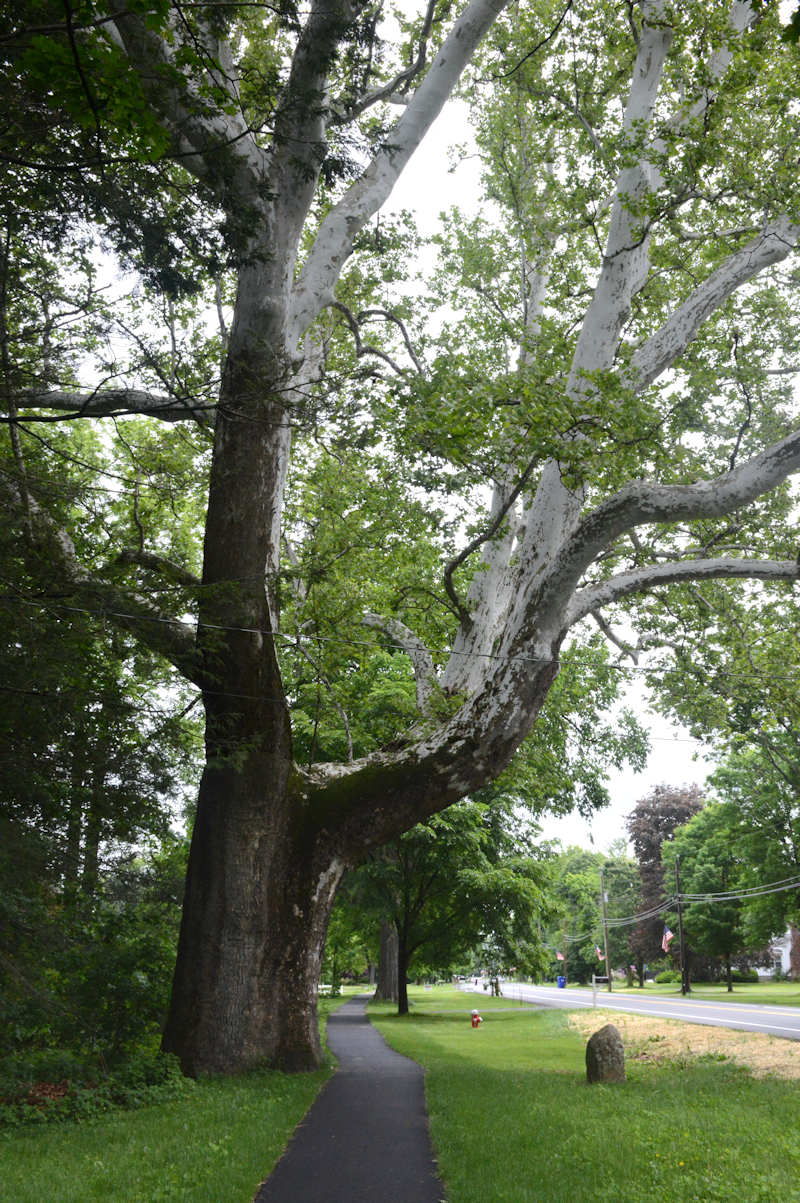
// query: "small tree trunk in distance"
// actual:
[[91, 842], [402, 978], [794, 954], [728, 977], [386, 990]]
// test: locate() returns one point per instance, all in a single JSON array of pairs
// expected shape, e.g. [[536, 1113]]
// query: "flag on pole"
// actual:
[[600, 955], [668, 935], [559, 956]]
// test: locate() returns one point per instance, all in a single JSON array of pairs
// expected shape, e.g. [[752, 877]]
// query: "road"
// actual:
[[770, 1020]]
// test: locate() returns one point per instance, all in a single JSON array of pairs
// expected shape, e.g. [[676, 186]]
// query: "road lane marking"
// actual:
[[708, 1020], [611, 1000]]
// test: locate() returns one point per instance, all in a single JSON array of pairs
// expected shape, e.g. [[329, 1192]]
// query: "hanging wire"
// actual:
[[743, 894], [338, 640]]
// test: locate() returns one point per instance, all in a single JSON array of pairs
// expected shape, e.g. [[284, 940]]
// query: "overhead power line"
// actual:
[[667, 904], [338, 640]]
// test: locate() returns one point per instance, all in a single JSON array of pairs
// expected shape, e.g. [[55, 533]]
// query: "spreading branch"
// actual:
[[775, 242], [642, 503], [314, 288], [418, 654], [200, 134], [170, 638], [115, 402], [639, 580]]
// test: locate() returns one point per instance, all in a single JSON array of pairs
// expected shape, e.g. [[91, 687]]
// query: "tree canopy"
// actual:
[[603, 416]]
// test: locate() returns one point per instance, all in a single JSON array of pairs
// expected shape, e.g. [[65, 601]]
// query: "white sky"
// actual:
[[427, 188]]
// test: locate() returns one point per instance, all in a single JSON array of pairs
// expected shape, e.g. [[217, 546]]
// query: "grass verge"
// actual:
[[778, 994], [214, 1145], [513, 1120]]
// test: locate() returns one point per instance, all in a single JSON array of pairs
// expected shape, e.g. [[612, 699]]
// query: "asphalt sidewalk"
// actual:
[[366, 1135]]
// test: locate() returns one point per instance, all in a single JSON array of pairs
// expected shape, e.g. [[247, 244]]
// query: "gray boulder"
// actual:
[[605, 1056]]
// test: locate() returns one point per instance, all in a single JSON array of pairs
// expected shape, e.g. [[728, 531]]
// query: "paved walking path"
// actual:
[[365, 1138]]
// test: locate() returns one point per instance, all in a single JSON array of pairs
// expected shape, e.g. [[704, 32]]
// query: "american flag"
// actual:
[[600, 955], [668, 935], [559, 956]]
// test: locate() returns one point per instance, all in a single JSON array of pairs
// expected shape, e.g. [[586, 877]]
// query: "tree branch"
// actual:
[[480, 539], [363, 348], [612, 637], [641, 503], [394, 91], [170, 638], [418, 654], [333, 243], [775, 242], [160, 564], [586, 601], [301, 118], [626, 257], [116, 402], [392, 317], [199, 135], [626, 260]]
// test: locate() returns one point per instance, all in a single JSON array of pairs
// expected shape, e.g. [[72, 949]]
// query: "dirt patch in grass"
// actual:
[[656, 1040]]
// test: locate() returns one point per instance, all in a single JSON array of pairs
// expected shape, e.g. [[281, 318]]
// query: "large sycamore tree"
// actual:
[[643, 161]]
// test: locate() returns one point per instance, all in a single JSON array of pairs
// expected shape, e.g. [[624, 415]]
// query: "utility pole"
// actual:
[[685, 987], [564, 948], [605, 930]]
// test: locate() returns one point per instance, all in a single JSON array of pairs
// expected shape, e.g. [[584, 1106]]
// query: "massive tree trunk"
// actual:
[[257, 904], [260, 883]]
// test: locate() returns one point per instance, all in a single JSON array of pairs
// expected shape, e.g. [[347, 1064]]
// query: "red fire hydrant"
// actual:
[[476, 1019]]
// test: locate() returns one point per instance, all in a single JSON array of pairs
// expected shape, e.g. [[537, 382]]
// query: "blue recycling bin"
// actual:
[[562, 981]]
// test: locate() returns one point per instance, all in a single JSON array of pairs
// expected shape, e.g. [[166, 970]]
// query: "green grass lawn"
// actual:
[[214, 1146], [785, 994], [513, 1120]]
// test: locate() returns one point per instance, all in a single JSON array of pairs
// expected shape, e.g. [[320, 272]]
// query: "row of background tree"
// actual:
[[721, 848], [473, 892]]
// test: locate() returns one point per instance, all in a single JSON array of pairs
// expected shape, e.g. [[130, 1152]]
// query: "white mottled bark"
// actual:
[[642, 579], [418, 654], [314, 288], [486, 603], [626, 257], [119, 401], [774, 244]]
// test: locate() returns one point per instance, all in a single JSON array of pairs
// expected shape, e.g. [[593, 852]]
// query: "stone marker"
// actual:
[[605, 1056]]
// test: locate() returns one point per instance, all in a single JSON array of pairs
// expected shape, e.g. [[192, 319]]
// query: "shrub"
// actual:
[[27, 1098], [668, 977], [744, 975]]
